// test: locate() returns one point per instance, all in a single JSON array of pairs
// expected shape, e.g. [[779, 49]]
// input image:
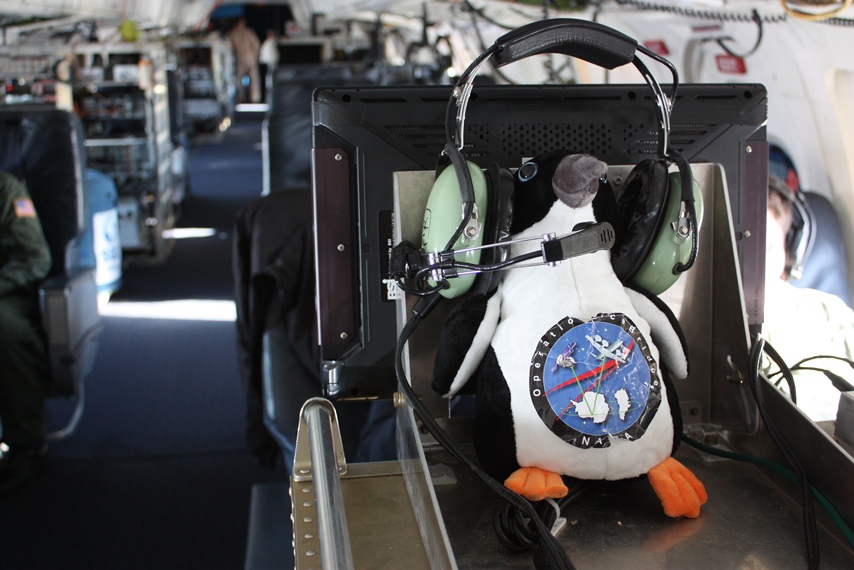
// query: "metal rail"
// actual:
[[127, 141], [333, 535]]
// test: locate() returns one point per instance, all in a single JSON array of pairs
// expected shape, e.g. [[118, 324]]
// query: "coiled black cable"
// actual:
[[843, 22], [720, 16], [515, 532], [552, 554]]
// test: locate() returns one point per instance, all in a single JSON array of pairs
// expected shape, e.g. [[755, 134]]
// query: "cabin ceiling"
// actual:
[[186, 14], [178, 13]]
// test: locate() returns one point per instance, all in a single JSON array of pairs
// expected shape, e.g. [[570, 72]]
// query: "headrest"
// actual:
[[782, 167], [43, 147]]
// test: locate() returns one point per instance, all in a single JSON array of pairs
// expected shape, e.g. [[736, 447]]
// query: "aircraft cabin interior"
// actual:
[[433, 284]]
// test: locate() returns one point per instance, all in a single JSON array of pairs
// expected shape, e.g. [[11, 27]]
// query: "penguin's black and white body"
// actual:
[[491, 338]]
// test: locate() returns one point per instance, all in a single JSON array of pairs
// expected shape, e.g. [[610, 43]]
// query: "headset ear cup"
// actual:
[[499, 216], [800, 238], [640, 209], [442, 217]]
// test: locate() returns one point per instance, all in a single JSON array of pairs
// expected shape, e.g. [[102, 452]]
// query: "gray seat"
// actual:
[[43, 147], [826, 268]]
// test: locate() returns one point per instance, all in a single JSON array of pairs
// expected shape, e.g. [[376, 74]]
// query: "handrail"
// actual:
[[333, 535]]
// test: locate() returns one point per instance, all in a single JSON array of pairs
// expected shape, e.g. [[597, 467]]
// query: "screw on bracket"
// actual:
[[733, 374]]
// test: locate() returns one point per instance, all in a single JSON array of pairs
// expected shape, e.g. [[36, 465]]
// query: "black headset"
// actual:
[[655, 209]]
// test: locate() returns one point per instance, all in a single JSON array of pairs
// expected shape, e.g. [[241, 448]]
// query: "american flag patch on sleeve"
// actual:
[[24, 208]]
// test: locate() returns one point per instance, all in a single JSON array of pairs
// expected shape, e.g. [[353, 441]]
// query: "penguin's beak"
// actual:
[[576, 179]]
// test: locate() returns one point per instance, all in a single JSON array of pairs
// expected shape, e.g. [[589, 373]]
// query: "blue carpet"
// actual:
[[161, 387]]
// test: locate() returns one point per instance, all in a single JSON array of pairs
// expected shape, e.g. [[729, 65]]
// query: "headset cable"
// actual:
[[549, 554]]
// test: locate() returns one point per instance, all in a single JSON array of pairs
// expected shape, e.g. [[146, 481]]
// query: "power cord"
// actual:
[[783, 369], [758, 21], [754, 378], [825, 504], [838, 382], [549, 554], [847, 361]]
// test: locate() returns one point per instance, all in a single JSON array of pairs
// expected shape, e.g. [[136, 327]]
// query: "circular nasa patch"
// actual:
[[592, 381]]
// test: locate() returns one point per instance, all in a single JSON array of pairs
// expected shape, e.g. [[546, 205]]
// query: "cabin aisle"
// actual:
[[157, 475]]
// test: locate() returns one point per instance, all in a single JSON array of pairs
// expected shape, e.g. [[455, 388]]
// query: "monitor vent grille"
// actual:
[[516, 141]]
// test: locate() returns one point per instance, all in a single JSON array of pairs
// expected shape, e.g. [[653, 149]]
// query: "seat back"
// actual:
[[288, 126], [43, 147], [826, 268]]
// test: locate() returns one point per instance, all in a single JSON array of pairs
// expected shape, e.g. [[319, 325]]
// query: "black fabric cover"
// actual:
[[499, 217], [640, 208], [273, 269], [273, 257], [43, 147], [289, 124]]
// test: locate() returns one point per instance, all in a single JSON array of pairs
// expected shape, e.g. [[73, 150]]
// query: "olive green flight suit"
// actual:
[[24, 262]]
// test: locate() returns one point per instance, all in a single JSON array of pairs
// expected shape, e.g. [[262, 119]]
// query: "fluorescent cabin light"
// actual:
[[184, 310], [252, 107], [187, 233]]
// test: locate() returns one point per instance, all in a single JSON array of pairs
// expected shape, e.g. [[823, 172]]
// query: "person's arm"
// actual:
[[24, 252]]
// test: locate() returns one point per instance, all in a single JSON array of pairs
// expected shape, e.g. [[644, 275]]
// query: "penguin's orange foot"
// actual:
[[679, 490], [536, 484]]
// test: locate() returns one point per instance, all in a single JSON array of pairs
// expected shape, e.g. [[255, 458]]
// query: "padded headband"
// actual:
[[592, 42]]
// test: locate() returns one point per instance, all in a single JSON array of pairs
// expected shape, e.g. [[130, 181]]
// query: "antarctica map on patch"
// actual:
[[595, 407]]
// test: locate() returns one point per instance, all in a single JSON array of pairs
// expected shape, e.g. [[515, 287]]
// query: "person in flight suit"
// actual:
[[24, 262], [247, 47]]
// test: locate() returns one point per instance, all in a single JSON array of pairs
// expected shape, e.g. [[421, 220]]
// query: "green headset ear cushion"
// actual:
[[640, 209], [656, 274]]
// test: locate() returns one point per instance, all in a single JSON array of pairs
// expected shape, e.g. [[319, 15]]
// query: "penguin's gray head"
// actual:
[[576, 179], [572, 179]]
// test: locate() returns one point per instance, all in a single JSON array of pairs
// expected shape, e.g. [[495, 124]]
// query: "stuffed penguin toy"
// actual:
[[572, 368]]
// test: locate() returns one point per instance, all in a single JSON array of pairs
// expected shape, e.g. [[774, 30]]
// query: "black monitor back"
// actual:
[[361, 136]]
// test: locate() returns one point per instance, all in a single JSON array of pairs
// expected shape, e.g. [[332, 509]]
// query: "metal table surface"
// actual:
[[748, 522]]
